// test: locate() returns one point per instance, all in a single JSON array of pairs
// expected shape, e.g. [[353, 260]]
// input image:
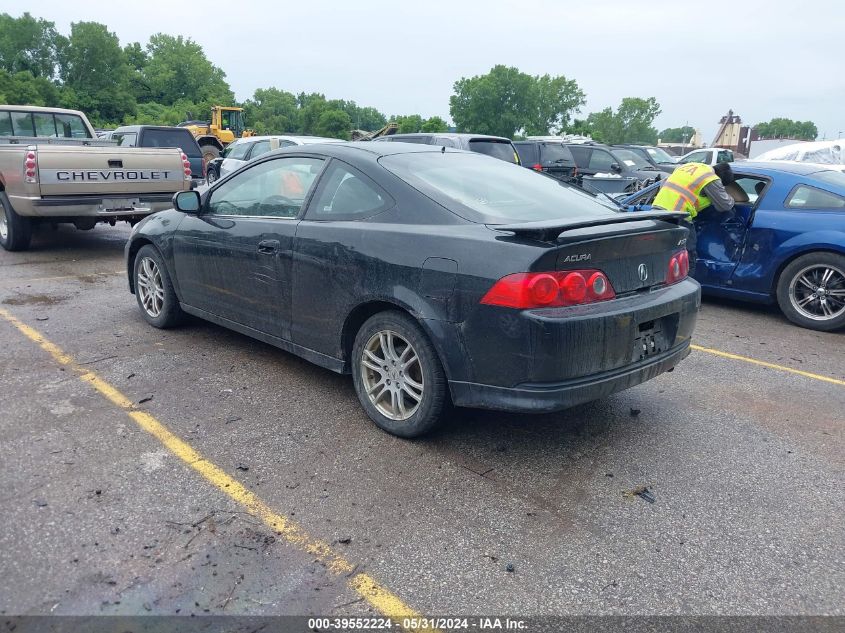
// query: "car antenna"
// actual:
[[443, 150]]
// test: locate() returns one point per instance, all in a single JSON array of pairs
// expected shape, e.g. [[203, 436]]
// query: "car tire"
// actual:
[[154, 291], [811, 291], [15, 230], [413, 394]]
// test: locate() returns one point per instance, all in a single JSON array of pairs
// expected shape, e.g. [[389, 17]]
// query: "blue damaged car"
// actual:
[[784, 244]]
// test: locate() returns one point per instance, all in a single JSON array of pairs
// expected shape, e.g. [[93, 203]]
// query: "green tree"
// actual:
[[630, 123], [334, 124], [311, 108], [23, 88], [408, 124], [676, 134], [178, 69], [505, 101], [95, 74], [434, 124], [780, 127], [28, 44], [272, 111]]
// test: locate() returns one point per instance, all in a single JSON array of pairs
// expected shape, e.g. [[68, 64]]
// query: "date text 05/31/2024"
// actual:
[[418, 624]]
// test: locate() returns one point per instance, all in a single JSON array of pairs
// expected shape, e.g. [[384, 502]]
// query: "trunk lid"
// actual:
[[633, 250], [69, 170]]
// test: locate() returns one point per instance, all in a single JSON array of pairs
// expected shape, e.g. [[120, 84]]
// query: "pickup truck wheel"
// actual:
[[154, 290], [397, 375], [15, 230], [811, 291]]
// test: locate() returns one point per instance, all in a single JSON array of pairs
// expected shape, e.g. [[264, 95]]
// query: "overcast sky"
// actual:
[[760, 58]]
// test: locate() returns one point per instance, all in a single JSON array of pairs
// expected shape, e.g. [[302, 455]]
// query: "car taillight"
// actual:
[[30, 166], [537, 167], [550, 289], [678, 267], [186, 164]]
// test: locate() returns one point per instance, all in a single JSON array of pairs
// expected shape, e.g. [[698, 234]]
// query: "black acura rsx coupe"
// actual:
[[436, 277]]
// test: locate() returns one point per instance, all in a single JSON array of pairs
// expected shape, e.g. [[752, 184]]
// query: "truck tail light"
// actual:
[[678, 267], [550, 289], [537, 167], [186, 165], [30, 165]]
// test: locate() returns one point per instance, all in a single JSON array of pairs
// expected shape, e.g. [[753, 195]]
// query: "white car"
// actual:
[[708, 155], [244, 150]]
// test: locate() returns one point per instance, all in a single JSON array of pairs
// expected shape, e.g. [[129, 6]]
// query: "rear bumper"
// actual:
[[548, 397], [97, 206]]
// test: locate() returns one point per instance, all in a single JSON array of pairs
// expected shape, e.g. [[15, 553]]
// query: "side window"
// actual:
[[22, 124], [45, 124], [126, 139], [238, 152], [259, 148], [5, 124], [71, 126], [601, 160], [285, 143], [753, 187], [276, 189], [724, 156], [346, 194], [806, 197]]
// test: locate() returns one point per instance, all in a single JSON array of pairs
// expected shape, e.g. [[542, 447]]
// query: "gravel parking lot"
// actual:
[[166, 502]]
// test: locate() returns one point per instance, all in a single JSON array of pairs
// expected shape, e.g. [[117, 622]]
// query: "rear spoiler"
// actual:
[[548, 230]]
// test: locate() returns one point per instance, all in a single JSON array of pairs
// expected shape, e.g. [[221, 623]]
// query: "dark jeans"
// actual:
[[692, 242]]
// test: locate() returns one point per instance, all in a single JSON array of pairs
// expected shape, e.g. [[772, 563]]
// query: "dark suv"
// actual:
[[592, 158], [657, 157], [495, 146], [163, 136], [550, 157]]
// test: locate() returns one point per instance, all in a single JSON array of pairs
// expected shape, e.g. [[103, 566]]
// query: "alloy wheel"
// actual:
[[4, 225], [818, 292], [392, 375], [150, 287]]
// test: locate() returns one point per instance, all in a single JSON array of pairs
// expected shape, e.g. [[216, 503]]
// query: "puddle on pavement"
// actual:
[[34, 300]]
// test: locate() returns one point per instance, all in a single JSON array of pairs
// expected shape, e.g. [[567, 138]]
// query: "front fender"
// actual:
[[156, 229]]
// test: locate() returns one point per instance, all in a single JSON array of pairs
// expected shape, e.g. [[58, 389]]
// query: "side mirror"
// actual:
[[187, 201], [614, 167]]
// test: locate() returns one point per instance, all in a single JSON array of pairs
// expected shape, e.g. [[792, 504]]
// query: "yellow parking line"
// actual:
[[379, 597], [763, 363]]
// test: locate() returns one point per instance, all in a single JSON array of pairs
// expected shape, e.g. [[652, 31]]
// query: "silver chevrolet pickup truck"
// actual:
[[54, 169]]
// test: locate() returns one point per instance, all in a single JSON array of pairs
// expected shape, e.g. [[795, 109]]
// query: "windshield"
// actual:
[[491, 192], [660, 155], [177, 137], [502, 150], [632, 159]]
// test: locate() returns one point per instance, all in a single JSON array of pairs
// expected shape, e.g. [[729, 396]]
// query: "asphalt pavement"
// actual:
[[197, 471]]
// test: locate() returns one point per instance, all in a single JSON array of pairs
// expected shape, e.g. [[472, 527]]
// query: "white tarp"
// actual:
[[819, 152]]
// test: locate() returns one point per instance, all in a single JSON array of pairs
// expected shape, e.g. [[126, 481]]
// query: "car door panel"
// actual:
[[235, 259]]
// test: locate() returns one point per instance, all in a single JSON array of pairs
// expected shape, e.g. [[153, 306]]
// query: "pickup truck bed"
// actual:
[[81, 180]]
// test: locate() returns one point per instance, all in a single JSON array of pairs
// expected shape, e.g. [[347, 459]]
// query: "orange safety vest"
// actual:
[[682, 190]]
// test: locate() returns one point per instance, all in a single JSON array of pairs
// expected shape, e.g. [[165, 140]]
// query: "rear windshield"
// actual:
[[502, 150], [556, 154], [491, 192], [831, 177], [42, 125], [180, 138]]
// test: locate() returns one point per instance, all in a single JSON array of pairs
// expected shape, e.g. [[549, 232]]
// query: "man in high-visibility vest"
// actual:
[[693, 187]]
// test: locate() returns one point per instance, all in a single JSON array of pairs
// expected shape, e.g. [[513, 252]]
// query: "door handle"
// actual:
[[268, 247]]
